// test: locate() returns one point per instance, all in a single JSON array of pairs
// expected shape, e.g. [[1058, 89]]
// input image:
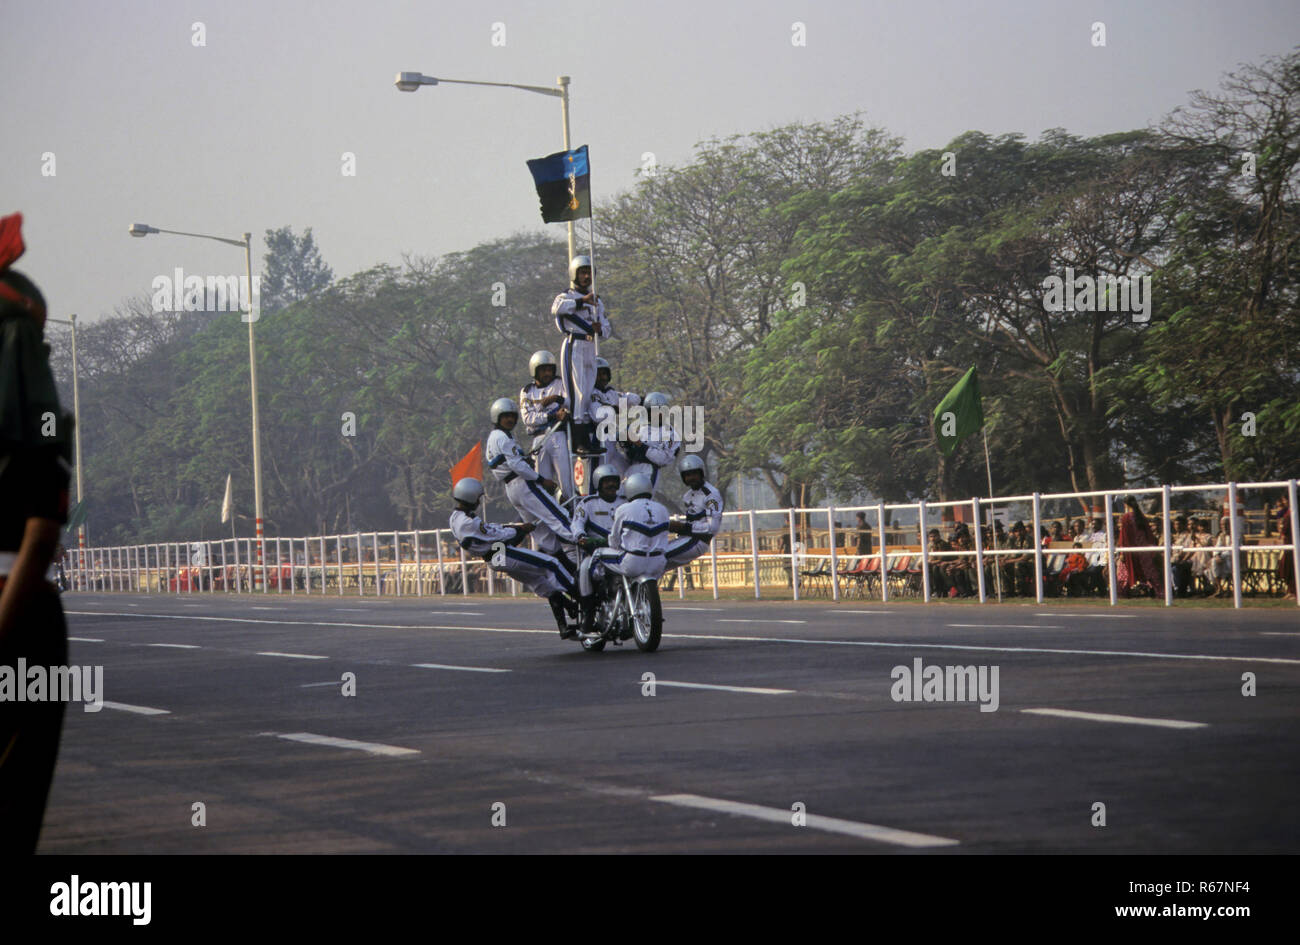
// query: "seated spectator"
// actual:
[[1019, 569], [1096, 573], [1074, 576], [1286, 562], [1058, 532], [939, 583], [1221, 561], [1077, 529]]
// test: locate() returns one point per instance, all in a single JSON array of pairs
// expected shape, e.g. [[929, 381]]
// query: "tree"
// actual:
[[294, 269]]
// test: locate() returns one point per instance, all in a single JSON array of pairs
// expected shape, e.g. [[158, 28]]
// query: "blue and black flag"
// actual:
[[563, 182]]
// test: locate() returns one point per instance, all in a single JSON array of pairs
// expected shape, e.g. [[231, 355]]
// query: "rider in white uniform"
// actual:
[[605, 412], [638, 539], [658, 443], [580, 315], [703, 504], [529, 492], [498, 546], [594, 514], [544, 404]]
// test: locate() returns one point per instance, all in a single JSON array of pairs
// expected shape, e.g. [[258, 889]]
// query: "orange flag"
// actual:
[[470, 465]]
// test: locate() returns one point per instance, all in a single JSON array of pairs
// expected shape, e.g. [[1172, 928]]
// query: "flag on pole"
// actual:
[[563, 182], [226, 502], [960, 413], [470, 465]]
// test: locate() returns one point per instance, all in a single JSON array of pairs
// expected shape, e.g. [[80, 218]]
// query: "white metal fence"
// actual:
[[774, 550]]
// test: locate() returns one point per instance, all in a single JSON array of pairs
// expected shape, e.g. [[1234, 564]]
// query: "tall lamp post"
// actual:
[[411, 81], [76, 431], [142, 230]]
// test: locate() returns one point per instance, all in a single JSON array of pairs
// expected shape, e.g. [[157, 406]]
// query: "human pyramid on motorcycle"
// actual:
[[599, 556]]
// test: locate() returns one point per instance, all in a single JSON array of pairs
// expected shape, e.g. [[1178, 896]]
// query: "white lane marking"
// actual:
[[1283, 661], [293, 656], [176, 646], [85, 639], [861, 611], [331, 682], [777, 815], [696, 685], [351, 610], [1263, 633], [1005, 626], [268, 608], [732, 620], [709, 609], [129, 604], [1105, 717], [1067, 613], [467, 669], [454, 613], [330, 741], [137, 709]]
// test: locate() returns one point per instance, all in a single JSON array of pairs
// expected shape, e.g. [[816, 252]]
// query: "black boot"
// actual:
[[561, 617], [588, 620]]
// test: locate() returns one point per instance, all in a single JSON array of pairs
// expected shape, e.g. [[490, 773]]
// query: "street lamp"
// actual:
[[142, 230], [411, 81], [76, 431]]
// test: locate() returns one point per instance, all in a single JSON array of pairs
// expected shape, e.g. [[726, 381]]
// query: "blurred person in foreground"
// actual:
[[35, 453]]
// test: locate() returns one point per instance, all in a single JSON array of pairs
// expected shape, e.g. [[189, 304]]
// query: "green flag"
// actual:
[[959, 413]]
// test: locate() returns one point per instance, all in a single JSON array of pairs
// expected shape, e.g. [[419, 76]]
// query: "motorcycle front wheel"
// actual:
[[647, 617]]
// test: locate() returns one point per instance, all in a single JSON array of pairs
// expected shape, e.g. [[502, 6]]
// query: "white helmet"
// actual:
[[637, 485], [540, 359], [656, 399], [576, 263], [602, 363], [468, 490], [503, 405], [691, 462], [603, 471]]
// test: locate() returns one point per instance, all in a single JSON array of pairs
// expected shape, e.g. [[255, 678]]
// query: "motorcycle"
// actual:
[[626, 610]]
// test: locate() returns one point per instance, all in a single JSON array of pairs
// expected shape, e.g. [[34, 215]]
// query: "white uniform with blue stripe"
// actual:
[[662, 444], [553, 460], [638, 539], [535, 504], [538, 572], [594, 516], [704, 511], [582, 325], [605, 411]]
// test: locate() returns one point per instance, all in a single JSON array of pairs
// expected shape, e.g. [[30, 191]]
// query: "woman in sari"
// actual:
[[1135, 569]]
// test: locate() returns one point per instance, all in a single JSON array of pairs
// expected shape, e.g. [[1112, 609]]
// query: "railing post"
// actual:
[[713, 555], [835, 558], [322, 564], [442, 578], [1295, 537], [753, 550], [1236, 545], [884, 556], [794, 570], [360, 568], [397, 559], [925, 551], [978, 533], [1110, 549], [338, 556], [464, 574], [1169, 545], [1038, 547], [419, 567]]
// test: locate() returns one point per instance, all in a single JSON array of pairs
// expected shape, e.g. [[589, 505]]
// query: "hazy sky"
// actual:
[[247, 132]]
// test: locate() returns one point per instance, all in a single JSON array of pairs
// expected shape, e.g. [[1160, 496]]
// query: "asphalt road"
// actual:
[[569, 750]]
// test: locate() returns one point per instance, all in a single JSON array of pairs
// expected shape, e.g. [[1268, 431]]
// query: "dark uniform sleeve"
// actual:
[[35, 435]]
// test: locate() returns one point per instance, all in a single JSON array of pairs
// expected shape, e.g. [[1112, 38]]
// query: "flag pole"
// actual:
[[988, 469]]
